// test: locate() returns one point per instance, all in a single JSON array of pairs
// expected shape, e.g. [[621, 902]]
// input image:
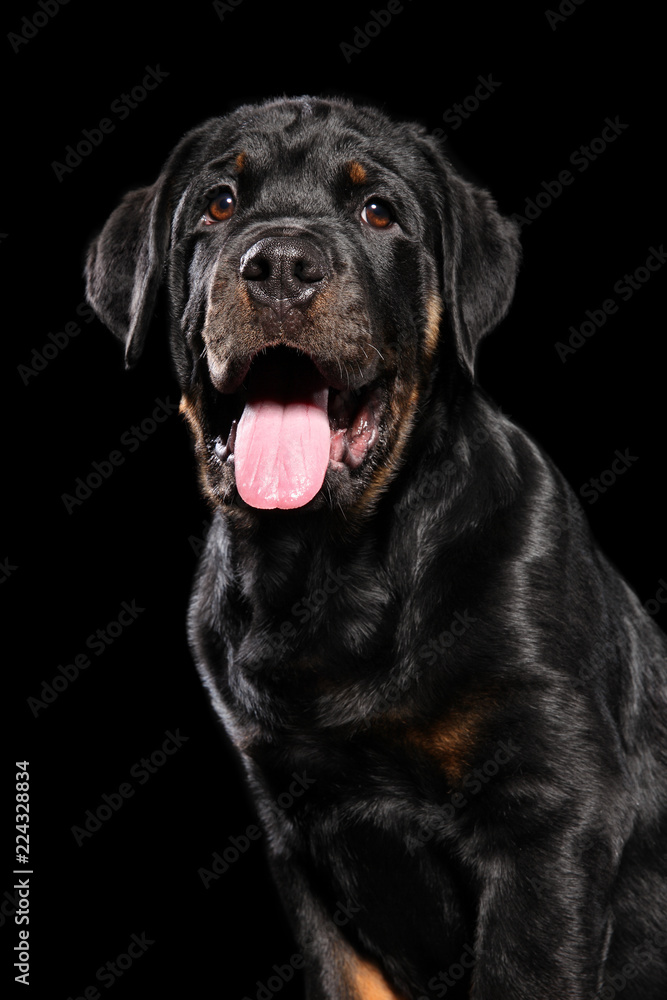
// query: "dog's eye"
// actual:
[[377, 214], [222, 207]]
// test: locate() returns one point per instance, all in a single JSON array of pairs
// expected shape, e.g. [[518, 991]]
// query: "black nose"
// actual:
[[283, 271]]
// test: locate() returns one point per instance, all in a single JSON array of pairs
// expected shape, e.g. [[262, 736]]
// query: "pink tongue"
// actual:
[[281, 451]]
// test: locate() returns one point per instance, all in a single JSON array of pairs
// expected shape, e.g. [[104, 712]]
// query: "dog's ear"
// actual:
[[126, 261], [481, 260], [124, 266], [481, 257]]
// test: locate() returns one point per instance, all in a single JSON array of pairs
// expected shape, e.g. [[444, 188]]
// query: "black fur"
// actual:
[[451, 708]]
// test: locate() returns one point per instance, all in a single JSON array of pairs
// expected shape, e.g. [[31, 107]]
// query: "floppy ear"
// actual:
[[124, 266], [125, 263], [481, 259]]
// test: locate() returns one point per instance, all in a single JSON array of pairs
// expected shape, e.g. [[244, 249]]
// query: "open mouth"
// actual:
[[289, 426]]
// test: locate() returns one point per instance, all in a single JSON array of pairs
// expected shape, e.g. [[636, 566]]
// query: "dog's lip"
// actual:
[[333, 374]]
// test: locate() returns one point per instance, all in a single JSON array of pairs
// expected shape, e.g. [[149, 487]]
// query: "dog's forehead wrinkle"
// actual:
[[220, 165], [275, 133]]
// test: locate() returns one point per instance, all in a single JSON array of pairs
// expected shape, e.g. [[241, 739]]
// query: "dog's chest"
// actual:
[[351, 815]]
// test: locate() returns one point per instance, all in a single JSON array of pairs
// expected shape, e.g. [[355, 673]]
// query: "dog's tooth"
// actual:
[[232, 437], [221, 450], [224, 451]]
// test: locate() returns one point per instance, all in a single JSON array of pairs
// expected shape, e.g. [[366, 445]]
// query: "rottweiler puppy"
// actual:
[[451, 709]]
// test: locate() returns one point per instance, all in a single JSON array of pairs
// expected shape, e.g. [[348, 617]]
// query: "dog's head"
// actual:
[[324, 266]]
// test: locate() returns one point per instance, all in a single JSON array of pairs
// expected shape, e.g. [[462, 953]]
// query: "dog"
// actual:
[[451, 709]]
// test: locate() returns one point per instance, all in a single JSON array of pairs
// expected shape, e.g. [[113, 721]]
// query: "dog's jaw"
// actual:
[[285, 427]]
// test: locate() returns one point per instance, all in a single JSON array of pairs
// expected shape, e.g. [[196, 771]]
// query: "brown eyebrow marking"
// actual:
[[240, 162], [356, 172]]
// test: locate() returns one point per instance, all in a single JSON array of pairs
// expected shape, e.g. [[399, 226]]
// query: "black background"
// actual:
[[67, 574]]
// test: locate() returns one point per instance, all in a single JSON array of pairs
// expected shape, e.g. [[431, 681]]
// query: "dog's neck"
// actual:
[[275, 560], [296, 606]]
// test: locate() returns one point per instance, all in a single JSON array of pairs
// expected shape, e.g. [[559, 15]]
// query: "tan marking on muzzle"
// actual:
[[404, 413], [384, 473], [191, 410], [434, 310]]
